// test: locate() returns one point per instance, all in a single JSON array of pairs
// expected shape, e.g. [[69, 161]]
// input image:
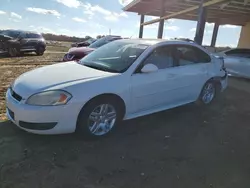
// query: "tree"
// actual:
[[88, 37], [99, 36]]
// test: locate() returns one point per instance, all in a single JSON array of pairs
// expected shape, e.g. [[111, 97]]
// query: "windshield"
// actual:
[[90, 41], [13, 34], [116, 56], [98, 43]]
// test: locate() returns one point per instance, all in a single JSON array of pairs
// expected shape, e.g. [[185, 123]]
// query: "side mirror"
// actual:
[[149, 68]]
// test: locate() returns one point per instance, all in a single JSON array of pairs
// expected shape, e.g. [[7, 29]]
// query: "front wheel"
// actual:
[[98, 119], [208, 93], [40, 50], [13, 52]]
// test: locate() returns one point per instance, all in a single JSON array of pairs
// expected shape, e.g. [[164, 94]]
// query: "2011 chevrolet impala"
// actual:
[[122, 80]]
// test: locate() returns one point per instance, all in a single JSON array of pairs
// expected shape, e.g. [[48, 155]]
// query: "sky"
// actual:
[[94, 17]]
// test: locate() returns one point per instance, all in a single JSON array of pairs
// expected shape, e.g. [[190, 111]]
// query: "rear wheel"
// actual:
[[98, 118], [208, 93]]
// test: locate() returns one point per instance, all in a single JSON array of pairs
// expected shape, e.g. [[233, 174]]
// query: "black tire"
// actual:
[[201, 100], [40, 50], [83, 128], [13, 52]]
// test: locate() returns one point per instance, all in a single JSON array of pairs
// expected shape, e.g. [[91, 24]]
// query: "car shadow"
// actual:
[[2, 56], [129, 128]]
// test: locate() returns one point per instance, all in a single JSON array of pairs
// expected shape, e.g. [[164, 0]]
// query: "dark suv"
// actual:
[[16, 42]]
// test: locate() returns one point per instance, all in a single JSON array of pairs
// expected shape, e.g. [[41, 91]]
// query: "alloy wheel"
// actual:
[[102, 119], [208, 93]]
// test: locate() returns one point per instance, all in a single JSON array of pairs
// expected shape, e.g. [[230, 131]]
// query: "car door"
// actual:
[[193, 70], [24, 41], [28, 41], [237, 61], [154, 90]]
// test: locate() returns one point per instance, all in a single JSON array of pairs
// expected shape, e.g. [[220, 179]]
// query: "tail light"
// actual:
[[222, 62]]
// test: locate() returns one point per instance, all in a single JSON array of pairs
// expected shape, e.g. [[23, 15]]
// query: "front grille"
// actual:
[[15, 95], [37, 126], [69, 56]]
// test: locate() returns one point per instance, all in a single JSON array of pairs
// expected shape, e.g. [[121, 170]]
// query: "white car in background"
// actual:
[[237, 62], [122, 80]]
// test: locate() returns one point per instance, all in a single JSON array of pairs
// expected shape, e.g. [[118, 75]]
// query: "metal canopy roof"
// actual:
[[235, 12]]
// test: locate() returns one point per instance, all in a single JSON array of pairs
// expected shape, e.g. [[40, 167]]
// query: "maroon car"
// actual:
[[75, 53]]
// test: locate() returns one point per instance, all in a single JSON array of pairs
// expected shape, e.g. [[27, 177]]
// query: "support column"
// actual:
[[215, 33], [200, 24], [244, 41], [160, 29], [141, 26], [161, 23]]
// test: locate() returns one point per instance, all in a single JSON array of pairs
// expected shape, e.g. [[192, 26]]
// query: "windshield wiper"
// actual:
[[95, 67], [102, 68]]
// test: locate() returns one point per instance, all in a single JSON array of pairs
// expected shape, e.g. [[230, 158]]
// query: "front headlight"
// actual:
[[49, 98]]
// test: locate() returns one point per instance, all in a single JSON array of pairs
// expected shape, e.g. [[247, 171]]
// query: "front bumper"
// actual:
[[42, 119]]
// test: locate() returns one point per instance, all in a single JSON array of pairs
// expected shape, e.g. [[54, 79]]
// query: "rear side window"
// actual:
[[33, 36], [188, 55], [239, 53]]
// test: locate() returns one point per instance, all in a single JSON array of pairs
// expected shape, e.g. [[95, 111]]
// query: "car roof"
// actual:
[[158, 41], [22, 31], [112, 36]]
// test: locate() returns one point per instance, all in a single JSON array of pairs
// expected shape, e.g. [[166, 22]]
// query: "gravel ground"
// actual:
[[11, 68], [189, 146]]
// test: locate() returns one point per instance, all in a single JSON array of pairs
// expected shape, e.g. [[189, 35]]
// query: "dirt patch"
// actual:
[[188, 146], [11, 68], [32, 59]]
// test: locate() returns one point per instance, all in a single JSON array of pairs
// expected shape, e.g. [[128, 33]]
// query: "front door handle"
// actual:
[[170, 75]]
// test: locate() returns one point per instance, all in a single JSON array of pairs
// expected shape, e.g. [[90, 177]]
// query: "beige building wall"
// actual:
[[244, 41]]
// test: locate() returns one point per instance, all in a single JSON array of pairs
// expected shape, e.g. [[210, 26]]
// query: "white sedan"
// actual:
[[122, 80]]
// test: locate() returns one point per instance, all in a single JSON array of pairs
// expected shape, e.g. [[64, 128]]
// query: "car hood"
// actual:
[[54, 75], [80, 50]]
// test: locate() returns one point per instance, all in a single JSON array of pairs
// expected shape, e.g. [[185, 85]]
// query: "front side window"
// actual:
[[22, 36], [116, 56], [11, 33], [188, 55], [161, 57]]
